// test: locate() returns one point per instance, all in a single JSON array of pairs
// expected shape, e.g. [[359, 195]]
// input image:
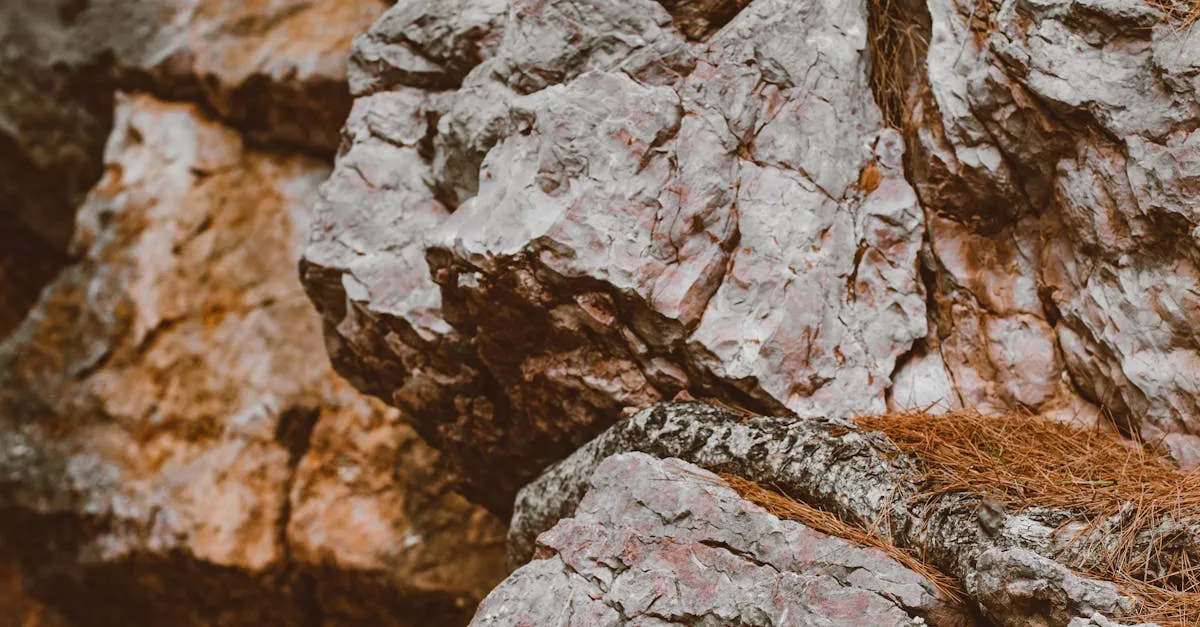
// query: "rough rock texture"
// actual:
[[1055, 145], [1009, 570], [602, 214], [274, 68], [548, 211], [174, 446], [662, 542]]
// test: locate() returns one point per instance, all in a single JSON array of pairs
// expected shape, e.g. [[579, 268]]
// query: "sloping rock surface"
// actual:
[[663, 542]]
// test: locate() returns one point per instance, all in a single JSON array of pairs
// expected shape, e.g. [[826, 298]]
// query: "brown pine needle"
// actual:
[[787, 508], [1024, 461]]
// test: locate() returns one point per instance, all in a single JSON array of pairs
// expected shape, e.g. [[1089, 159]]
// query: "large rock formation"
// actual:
[[517, 264], [174, 446], [549, 211], [1054, 147], [542, 215]]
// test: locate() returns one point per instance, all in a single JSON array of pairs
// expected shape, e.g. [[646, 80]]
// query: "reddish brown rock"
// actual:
[[175, 447], [275, 69]]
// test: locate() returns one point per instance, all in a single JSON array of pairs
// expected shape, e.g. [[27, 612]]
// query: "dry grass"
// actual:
[[1023, 460], [1184, 12], [785, 507], [897, 48]]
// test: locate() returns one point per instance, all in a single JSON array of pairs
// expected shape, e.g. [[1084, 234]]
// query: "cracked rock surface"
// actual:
[[1055, 146], [1014, 572], [546, 211], [663, 542], [175, 448]]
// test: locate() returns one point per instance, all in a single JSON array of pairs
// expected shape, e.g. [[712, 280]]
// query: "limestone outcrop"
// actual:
[[547, 212]]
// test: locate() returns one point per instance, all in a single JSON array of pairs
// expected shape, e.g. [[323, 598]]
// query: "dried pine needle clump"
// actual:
[[1184, 12], [1025, 461], [782, 506]]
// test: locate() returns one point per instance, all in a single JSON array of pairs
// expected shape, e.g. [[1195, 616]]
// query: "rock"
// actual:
[[275, 69], [664, 542], [732, 219], [1031, 585], [1053, 148], [1011, 566], [174, 446], [1098, 620], [516, 262]]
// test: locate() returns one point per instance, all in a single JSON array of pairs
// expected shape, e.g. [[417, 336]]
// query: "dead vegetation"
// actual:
[[787, 508], [1145, 507], [897, 43], [1183, 12]]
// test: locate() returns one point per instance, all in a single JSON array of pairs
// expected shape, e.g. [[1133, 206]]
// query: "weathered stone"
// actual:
[[862, 478], [516, 268], [1028, 584], [174, 446], [663, 542], [275, 69], [1059, 140]]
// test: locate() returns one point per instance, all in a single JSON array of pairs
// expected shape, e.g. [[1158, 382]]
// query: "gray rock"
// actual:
[[663, 542], [1006, 564], [604, 215]]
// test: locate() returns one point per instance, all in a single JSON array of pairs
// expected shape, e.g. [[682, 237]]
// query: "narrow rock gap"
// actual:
[[294, 432], [700, 20]]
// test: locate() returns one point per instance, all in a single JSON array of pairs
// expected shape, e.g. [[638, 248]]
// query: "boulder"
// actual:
[[547, 212], [174, 446], [663, 542], [603, 213]]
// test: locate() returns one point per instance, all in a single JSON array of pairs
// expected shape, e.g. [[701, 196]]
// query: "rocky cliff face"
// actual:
[[542, 216], [1054, 145]]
